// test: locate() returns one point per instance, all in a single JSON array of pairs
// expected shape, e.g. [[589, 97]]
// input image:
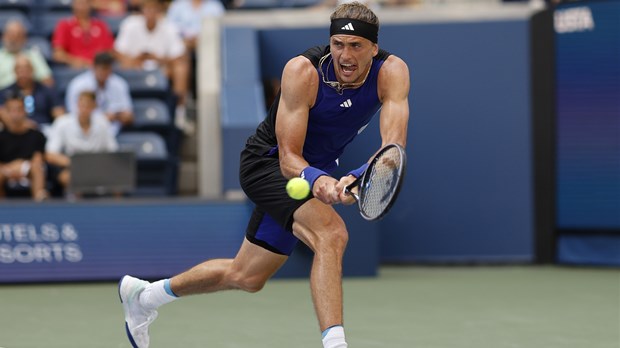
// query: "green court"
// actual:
[[426, 307]]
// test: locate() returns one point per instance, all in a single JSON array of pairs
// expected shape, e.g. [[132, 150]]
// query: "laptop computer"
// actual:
[[103, 173]]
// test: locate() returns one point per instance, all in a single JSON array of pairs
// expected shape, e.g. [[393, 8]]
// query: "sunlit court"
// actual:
[[451, 174]]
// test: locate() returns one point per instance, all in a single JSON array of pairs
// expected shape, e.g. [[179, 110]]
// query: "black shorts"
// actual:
[[271, 224]]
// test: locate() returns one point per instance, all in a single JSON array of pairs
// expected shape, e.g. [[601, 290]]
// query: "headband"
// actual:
[[347, 26]]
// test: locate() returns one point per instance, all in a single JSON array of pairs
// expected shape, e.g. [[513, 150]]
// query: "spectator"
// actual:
[[21, 151], [14, 40], [133, 6], [84, 131], [42, 104], [112, 91], [77, 39], [187, 15], [149, 41], [110, 7]]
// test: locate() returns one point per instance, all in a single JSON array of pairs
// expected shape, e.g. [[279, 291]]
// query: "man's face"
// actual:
[[102, 72], [86, 106], [352, 56], [23, 72], [151, 10], [81, 8], [14, 38], [15, 111]]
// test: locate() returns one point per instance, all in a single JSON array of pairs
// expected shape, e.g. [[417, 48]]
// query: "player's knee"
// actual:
[[252, 284], [240, 280], [333, 239]]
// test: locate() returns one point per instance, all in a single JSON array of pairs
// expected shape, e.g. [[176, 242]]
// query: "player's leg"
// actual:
[[249, 270], [321, 228]]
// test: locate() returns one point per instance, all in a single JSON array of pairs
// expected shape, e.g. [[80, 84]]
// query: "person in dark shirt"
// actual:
[[42, 105], [21, 150]]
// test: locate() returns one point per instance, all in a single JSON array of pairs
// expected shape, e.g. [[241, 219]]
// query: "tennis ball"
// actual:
[[298, 188]]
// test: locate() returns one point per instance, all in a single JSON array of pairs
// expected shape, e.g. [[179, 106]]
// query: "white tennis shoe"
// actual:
[[137, 318]]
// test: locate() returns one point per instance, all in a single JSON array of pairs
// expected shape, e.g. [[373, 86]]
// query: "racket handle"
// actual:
[[347, 191]]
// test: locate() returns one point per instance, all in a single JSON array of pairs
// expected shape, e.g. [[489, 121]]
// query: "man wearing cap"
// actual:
[[328, 95]]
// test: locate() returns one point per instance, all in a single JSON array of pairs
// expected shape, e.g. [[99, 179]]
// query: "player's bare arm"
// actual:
[[393, 89], [298, 78], [298, 93]]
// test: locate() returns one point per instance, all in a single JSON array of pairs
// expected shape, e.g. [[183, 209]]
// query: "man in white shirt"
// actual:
[[86, 131], [112, 91], [149, 41], [187, 16]]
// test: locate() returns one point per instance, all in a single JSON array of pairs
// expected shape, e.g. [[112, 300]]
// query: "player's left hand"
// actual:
[[346, 199]]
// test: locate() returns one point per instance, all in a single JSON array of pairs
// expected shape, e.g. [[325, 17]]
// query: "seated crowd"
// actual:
[[41, 125]]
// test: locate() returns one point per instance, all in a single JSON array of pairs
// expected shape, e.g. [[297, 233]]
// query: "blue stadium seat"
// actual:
[[20, 5], [42, 45], [155, 168], [146, 84], [62, 76], [146, 145], [48, 21], [260, 4], [151, 114], [300, 3], [6, 16], [113, 22], [56, 5]]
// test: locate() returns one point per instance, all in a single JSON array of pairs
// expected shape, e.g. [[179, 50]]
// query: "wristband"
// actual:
[[359, 171], [311, 174]]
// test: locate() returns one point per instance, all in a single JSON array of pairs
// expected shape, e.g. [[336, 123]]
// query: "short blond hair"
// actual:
[[355, 10]]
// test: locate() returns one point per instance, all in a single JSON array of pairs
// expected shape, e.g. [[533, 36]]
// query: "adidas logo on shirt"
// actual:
[[346, 104], [348, 27]]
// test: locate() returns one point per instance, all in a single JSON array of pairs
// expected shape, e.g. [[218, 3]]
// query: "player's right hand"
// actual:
[[324, 189], [346, 198]]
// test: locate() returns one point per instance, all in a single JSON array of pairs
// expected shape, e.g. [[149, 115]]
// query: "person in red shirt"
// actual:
[[77, 39]]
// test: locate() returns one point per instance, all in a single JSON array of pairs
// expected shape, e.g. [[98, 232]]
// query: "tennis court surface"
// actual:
[[426, 307]]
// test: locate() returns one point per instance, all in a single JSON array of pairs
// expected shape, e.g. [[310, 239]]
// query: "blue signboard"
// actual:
[[104, 241]]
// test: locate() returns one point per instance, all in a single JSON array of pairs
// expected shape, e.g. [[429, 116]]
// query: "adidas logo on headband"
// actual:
[[344, 26], [349, 26]]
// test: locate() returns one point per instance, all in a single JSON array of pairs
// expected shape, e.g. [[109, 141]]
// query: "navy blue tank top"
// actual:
[[334, 120]]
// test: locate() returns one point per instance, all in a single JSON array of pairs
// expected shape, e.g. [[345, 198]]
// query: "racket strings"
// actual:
[[381, 184]]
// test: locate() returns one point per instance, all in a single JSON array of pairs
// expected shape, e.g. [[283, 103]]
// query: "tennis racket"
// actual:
[[380, 184]]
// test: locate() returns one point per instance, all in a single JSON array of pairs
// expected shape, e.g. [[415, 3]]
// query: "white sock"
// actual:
[[157, 294], [334, 337]]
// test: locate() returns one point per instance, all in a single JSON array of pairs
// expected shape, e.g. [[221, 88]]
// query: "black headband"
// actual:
[[346, 26]]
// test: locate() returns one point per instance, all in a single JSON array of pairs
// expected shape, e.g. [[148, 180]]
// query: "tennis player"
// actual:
[[328, 95]]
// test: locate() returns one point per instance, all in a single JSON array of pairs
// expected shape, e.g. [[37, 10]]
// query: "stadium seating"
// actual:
[[113, 22], [146, 84], [63, 75], [46, 23], [156, 169], [20, 5], [153, 135], [56, 5], [151, 114], [42, 45]]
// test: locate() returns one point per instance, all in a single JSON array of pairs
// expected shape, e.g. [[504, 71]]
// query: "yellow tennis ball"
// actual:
[[298, 188]]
